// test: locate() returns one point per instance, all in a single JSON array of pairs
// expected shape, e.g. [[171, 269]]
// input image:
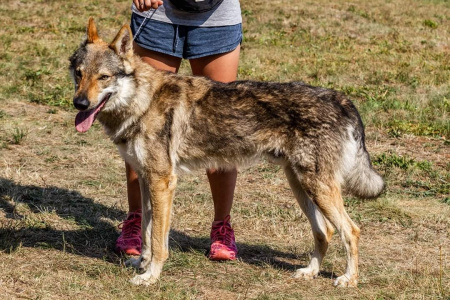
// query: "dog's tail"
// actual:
[[360, 179]]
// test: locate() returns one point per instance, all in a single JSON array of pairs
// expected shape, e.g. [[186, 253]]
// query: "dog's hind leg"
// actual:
[[156, 213], [321, 228], [325, 191]]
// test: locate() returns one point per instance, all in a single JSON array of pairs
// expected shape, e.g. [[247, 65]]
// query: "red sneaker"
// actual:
[[130, 240], [223, 245]]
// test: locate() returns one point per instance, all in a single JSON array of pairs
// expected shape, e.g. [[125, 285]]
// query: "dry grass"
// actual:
[[62, 194]]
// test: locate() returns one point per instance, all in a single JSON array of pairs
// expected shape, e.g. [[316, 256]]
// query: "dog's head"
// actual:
[[102, 74]]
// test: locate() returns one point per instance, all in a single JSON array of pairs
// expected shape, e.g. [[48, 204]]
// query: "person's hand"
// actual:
[[143, 5]]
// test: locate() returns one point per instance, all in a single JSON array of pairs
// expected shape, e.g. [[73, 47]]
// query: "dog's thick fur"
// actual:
[[163, 123]]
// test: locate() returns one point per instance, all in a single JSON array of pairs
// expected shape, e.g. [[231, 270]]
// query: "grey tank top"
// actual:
[[227, 13]]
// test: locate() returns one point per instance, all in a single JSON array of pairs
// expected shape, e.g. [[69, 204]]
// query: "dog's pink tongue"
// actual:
[[85, 119]]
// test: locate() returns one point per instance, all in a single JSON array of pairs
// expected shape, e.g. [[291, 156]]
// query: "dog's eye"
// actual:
[[104, 77], [78, 73]]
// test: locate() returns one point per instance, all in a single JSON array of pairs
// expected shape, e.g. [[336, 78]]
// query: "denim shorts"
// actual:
[[185, 41]]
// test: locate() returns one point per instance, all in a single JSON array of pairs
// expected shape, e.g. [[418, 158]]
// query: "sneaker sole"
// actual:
[[222, 255]]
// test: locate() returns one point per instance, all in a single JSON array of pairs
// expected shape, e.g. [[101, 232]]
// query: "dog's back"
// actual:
[[310, 127]]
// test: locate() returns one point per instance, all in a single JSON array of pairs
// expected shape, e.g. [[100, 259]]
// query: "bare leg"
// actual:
[[223, 68], [158, 60], [133, 190]]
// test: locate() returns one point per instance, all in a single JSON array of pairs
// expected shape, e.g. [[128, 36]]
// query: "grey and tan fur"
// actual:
[[164, 123]]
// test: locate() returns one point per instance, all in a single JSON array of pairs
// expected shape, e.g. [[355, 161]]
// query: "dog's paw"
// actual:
[[346, 281], [133, 263], [306, 273], [143, 280]]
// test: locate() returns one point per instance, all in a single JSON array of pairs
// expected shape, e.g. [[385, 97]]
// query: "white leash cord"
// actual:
[[147, 16]]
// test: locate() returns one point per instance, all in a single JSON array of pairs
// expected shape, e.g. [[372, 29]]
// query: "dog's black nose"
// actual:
[[81, 103]]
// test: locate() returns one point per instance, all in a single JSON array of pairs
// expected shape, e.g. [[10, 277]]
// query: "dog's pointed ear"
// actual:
[[92, 35], [123, 42]]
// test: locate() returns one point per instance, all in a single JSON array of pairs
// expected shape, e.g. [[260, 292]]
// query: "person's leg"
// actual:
[[158, 60], [223, 68], [133, 190], [129, 241]]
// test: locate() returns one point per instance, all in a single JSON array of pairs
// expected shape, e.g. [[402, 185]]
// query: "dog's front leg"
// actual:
[[156, 213], [146, 254]]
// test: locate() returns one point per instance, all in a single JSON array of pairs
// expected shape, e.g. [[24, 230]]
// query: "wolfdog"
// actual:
[[165, 123]]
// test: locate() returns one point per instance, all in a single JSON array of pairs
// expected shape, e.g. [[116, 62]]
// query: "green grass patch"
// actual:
[[418, 178]]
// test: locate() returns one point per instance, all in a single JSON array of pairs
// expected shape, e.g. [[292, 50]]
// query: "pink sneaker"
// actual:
[[223, 245], [130, 240]]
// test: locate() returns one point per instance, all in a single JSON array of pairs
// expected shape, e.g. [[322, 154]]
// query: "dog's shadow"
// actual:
[[95, 231]]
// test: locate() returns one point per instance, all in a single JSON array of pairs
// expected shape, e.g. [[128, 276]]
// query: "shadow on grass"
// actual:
[[260, 255], [94, 237], [96, 234]]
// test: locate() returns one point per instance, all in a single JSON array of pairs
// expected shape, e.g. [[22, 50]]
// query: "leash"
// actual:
[[147, 17]]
